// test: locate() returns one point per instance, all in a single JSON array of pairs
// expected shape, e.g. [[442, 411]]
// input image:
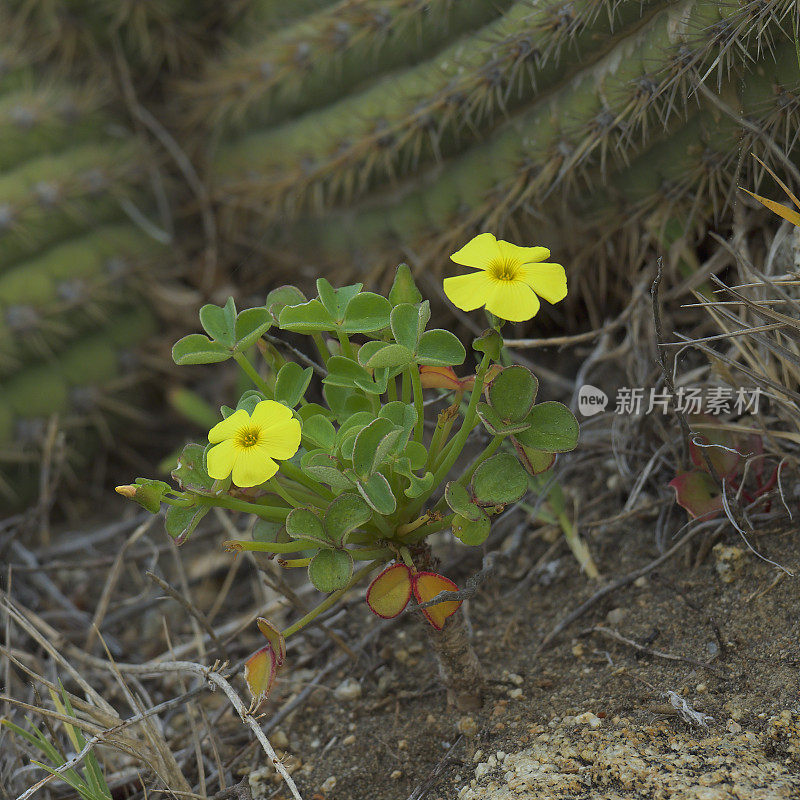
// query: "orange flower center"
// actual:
[[248, 437], [502, 269]]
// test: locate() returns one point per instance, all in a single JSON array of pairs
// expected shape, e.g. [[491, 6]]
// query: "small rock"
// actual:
[[396, 775], [587, 718], [349, 689], [515, 694], [467, 726], [729, 561], [348, 740], [279, 739], [615, 616], [401, 655], [640, 582], [733, 727], [701, 688], [578, 650], [402, 744], [517, 680], [329, 784]]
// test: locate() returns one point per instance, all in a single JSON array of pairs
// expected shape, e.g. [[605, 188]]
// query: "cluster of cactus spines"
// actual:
[[318, 59], [151, 37], [427, 112], [568, 141]]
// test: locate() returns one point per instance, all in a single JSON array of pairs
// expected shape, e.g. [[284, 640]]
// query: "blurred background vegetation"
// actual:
[[158, 154]]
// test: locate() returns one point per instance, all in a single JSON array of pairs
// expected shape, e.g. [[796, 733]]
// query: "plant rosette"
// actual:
[[330, 454]]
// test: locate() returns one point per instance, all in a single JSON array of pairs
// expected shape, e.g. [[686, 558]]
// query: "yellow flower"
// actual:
[[510, 279], [246, 445]]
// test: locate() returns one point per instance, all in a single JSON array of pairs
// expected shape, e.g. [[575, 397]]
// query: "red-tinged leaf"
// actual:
[[720, 447], [259, 672], [426, 586], [390, 592], [439, 378], [446, 378], [275, 638], [534, 461], [697, 493]]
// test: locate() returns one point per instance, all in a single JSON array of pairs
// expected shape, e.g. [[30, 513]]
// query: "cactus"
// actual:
[[493, 133], [78, 387], [320, 58]]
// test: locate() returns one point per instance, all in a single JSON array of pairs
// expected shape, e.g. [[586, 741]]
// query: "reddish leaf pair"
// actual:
[[390, 592], [261, 669]]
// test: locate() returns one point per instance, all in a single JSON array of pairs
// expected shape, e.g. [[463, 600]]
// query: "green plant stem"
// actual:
[[272, 547], [324, 353], [578, 547], [432, 527], [347, 348], [331, 600], [298, 476], [270, 513], [391, 390], [404, 530], [405, 388], [456, 445], [251, 372], [294, 563], [416, 384], [284, 493], [376, 553], [444, 425]]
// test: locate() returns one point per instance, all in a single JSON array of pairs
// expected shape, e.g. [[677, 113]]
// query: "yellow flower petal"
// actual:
[[547, 280], [253, 466], [280, 438], [513, 301], [268, 411], [522, 255], [221, 458], [478, 252], [228, 427], [468, 292]]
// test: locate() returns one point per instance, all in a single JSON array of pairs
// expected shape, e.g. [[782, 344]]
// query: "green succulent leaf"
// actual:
[[408, 323], [336, 300], [346, 513], [495, 425], [265, 530], [377, 492], [198, 349], [417, 455], [309, 317], [302, 523], [512, 393], [350, 374], [489, 342], [220, 322], [251, 324], [459, 501], [330, 570], [374, 445], [281, 297], [553, 428], [380, 355], [149, 493], [499, 480], [291, 383], [534, 461], [249, 400], [322, 466], [440, 348], [319, 432], [180, 522], [366, 313], [190, 473], [404, 290], [471, 532]]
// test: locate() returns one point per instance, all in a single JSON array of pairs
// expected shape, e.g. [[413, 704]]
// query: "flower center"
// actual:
[[503, 269], [248, 437]]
